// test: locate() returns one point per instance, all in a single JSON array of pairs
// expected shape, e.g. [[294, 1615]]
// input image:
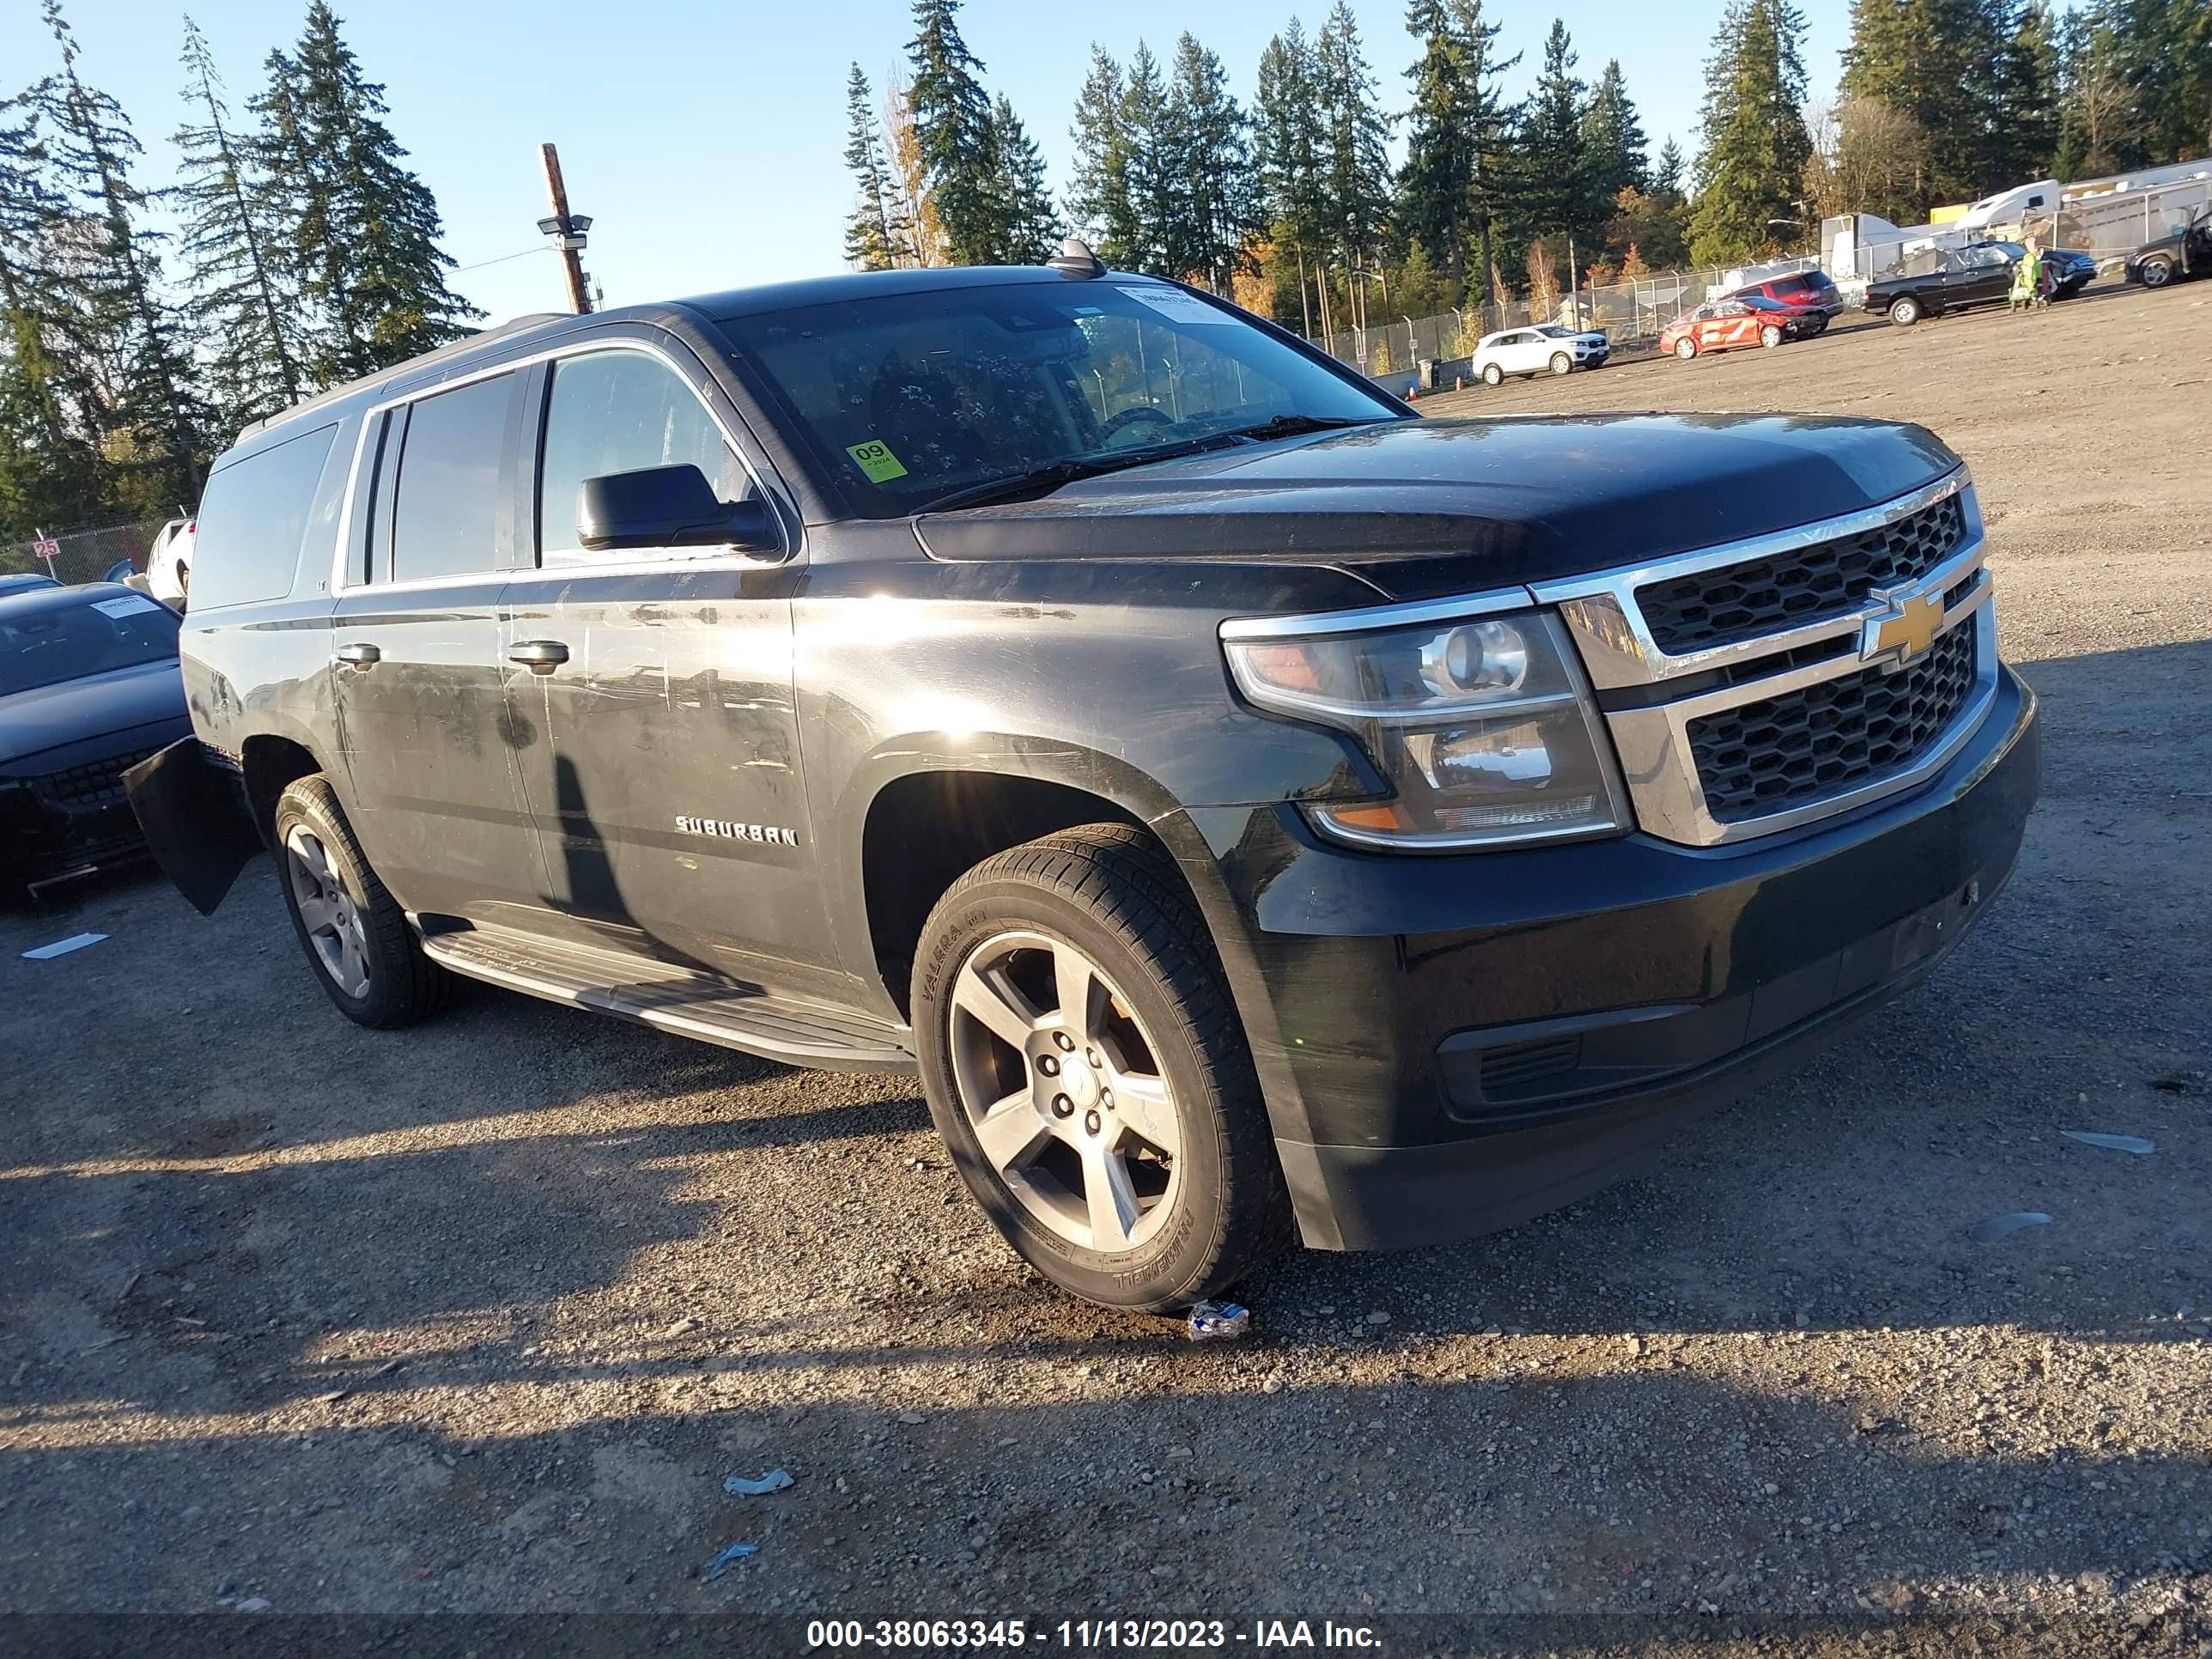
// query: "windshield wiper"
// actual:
[[1290, 426], [1043, 480]]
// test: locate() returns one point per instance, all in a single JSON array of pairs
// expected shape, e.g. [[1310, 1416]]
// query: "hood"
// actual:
[[1424, 507], [52, 716]]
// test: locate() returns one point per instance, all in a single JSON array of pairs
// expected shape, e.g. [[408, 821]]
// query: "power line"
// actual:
[[501, 260]]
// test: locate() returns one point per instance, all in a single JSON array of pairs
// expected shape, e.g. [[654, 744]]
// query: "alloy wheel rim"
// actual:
[[1062, 1089], [329, 914]]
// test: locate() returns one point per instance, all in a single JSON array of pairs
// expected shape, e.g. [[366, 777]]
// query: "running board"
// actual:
[[673, 999]]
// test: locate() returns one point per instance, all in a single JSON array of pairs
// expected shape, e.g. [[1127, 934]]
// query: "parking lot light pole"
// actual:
[[567, 229]]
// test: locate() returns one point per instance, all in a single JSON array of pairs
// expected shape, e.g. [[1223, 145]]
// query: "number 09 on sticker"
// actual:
[[875, 458]]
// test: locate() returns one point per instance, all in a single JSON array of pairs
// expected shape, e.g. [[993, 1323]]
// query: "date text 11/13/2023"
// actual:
[[1086, 1634]]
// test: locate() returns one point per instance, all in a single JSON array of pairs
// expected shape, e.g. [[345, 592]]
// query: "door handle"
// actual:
[[360, 656], [538, 656]]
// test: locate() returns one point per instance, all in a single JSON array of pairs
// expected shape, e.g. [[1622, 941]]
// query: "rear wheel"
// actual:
[[1562, 364], [1085, 1067], [1492, 375], [1686, 348], [2156, 273], [1905, 310], [1770, 336], [356, 937]]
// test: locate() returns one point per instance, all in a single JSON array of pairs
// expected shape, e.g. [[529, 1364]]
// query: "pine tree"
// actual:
[[1288, 150], [2161, 50], [1940, 62], [1355, 178], [1613, 139], [955, 132], [1666, 176], [242, 309], [868, 242], [1751, 170], [1149, 122], [50, 472], [2024, 141], [1453, 129], [1212, 151], [365, 228], [1097, 196], [1028, 229], [149, 422], [1556, 194]]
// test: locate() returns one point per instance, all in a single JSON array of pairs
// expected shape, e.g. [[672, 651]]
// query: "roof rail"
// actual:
[[467, 342]]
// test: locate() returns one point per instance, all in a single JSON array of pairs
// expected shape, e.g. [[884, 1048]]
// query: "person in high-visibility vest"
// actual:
[[2028, 278]]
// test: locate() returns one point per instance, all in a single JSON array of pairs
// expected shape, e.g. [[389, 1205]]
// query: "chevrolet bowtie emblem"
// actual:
[[1903, 631]]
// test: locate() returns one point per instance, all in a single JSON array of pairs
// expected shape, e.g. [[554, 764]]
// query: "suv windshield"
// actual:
[[99, 632], [907, 398]]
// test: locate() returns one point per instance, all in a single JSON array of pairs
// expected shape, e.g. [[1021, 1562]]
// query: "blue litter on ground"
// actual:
[[1998, 1226], [2135, 1144], [728, 1558], [739, 1486], [1212, 1319]]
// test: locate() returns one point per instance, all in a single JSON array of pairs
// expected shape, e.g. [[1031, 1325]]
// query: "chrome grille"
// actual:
[[91, 783], [1800, 584], [1763, 684], [1763, 757]]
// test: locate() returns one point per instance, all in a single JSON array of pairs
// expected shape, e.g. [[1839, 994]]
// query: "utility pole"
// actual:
[[566, 229]]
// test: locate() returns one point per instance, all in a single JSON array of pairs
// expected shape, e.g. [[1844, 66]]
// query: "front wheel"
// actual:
[[1905, 311], [1087, 1068], [1770, 336], [1686, 348], [2156, 273], [1562, 364], [1492, 375], [355, 935]]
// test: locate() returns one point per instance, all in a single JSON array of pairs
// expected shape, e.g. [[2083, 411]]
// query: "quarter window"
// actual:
[[621, 412], [446, 506]]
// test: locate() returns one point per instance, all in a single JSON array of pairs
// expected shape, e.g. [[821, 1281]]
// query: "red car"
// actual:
[[1723, 324], [1808, 293]]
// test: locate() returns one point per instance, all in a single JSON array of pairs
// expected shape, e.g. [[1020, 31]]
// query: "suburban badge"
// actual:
[[768, 834]]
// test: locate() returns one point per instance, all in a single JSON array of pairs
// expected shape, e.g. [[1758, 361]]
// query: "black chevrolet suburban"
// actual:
[[1254, 809]]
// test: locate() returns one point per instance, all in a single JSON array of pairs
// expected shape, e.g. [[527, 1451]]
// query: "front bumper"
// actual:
[[1451, 1045], [64, 813]]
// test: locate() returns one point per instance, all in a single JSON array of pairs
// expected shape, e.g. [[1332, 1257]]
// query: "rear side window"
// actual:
[[252, 519], [620, 411], [447, 508]]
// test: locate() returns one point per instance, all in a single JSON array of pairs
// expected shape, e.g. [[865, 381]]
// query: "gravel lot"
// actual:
[[300, 1319]]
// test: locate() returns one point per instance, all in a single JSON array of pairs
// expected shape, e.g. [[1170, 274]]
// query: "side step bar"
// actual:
[[674, 999]]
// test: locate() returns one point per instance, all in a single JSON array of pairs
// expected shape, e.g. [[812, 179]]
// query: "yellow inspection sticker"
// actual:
[[875, 458]]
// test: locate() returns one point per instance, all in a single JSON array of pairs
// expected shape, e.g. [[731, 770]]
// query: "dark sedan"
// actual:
[[88, 687], [2184, 251], [1938, 280]]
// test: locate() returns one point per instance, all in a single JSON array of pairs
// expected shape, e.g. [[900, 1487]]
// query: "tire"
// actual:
[[2155, 272], [344, 918], [1156, 1017], [1905, 310], [1562, 364], [1770, 336], [1686, 348], [1816, 328], [1492, 375]]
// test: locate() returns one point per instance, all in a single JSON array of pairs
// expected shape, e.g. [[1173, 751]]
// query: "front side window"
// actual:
[[621, 412], [446, 504], [908, 397], [94, 632]]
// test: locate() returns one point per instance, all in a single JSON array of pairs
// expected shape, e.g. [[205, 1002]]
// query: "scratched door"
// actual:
[[658, 746]]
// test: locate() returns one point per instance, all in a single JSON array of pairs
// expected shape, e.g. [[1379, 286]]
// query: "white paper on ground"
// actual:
[[62, 947]]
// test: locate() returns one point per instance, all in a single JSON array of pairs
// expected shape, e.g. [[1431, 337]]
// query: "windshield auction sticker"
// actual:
[[875, 458], [123, 607], [1176, 306]]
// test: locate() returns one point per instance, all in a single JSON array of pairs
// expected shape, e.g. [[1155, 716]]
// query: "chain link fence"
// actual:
[[1436, 352], [84, 556]]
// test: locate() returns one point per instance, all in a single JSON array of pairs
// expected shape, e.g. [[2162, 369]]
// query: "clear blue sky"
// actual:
[[706, 139]]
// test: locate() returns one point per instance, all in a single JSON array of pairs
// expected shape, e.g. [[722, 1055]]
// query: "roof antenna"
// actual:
[[1075, 259]]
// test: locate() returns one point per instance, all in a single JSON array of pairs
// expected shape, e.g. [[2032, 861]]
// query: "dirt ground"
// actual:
[[298, 1319]]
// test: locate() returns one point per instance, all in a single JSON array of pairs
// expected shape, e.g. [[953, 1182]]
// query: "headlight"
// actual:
[[1483, 727]]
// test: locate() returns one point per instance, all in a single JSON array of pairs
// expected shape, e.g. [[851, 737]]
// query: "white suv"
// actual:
[[168, 565], [1545, 347]]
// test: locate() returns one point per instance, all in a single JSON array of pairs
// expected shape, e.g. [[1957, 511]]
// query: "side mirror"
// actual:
[[670, 507]]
